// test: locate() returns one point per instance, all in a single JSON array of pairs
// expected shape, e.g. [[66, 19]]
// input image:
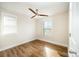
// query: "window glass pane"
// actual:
[[46, 32], [47, 27], [47, 24]]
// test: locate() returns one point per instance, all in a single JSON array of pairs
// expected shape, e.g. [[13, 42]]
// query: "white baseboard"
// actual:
[[44, 39], [14, 45]]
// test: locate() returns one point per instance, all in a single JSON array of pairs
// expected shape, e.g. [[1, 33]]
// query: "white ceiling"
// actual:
[[49, 8]]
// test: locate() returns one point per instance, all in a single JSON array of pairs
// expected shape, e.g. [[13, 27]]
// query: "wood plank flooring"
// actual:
[[36, 48]]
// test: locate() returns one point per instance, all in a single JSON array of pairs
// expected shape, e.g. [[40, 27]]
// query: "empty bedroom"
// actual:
[[34, 29]]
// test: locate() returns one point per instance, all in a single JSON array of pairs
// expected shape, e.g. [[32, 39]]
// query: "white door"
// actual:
[[74, 30]]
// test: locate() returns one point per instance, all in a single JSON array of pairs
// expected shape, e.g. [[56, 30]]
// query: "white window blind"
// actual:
[[9, 24]]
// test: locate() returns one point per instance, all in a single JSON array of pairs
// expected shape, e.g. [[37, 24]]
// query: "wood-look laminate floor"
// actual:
[[36, 48]]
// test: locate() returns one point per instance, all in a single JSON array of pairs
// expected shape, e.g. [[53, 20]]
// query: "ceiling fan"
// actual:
[[36, 13]]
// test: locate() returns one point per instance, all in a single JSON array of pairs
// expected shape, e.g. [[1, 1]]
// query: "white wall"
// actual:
[[25, 32], [59, 33]]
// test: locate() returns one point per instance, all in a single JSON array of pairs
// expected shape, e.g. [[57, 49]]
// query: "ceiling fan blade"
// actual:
[[33, 16], [42, 15], [32, 10]]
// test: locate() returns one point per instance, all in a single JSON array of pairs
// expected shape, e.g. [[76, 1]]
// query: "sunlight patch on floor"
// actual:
[[50, 52]]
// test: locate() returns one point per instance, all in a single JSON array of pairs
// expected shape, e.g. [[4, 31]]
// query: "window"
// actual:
[[47, 27], [9, 24]]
